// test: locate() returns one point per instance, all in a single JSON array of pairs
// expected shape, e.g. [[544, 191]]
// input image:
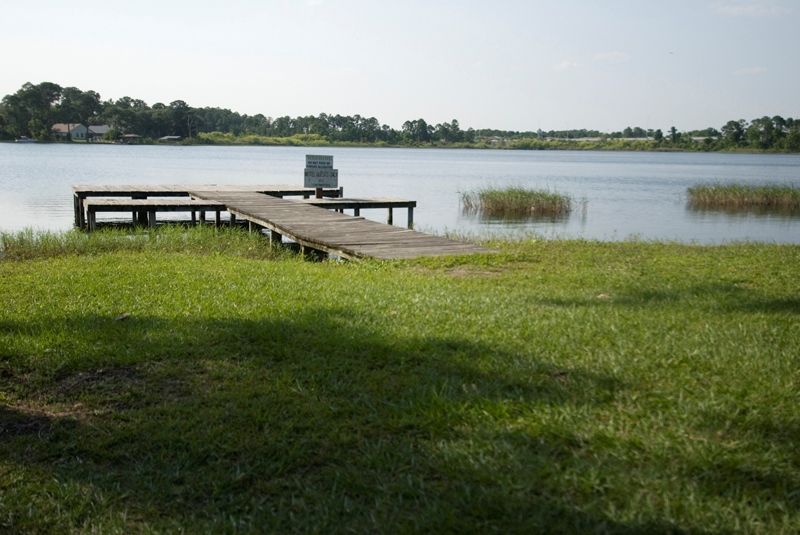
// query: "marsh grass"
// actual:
[[516, 203], [743, 197], [184, 386], [203, 240]]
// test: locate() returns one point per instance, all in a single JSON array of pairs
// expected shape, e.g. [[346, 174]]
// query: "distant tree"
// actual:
[[733, 133], [469, 135], [792, 141], [30, 111], [4, 133], [761, 133], [658, 135], [674, 136], [76, 106], [418, 131]]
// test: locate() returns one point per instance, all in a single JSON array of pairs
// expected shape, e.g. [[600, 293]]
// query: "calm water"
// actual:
[[621, 195]]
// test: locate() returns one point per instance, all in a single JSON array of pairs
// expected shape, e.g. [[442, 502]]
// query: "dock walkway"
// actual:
[[333, 232]]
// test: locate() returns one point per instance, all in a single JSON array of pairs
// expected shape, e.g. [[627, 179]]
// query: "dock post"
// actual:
[[202, 216], [81, 214], [356, 211], [141, 217], [217, 218], [77, 209], [92, 220], [151, 218], [410, 217], [275, 238], [233, 219], [194, 218], [341, 191], [391, 218]]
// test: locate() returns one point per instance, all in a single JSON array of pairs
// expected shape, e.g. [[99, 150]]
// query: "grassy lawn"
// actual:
[[207, 383]]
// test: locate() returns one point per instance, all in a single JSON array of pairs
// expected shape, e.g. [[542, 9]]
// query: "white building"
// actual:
[[79, 131], [73, 130]]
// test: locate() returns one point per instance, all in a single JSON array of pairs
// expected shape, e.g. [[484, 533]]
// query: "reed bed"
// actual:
[[516, 202], [738, 197]]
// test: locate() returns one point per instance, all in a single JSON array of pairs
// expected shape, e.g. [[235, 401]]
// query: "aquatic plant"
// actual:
[[516, 202], [769, 197]]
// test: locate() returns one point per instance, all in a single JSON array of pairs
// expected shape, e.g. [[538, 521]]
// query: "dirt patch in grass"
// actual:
[[16, 421], [466, 271], [122, 387], [97, 381]]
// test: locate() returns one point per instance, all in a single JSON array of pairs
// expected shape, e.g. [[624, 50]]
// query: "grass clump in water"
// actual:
[[741, 197], [516, 202]]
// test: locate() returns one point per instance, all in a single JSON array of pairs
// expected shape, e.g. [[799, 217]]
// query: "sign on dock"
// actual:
[[319, 161], [319, 172]]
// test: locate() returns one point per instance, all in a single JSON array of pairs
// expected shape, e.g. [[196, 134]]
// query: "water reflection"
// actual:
[[505, 219], [743, 212]]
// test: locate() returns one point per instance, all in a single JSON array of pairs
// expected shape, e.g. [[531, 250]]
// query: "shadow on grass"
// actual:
[[719, 296], [314, 423], [741, 468]]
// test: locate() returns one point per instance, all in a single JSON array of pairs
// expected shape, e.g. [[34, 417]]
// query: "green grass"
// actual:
[[515, 202], [743, 197], [206, 240], [558, 386]]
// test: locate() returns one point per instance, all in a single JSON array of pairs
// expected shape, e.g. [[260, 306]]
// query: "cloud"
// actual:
[[565, 65], [611, 57], [750, 8], [750, 71]]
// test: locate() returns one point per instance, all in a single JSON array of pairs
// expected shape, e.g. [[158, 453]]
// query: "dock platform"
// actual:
[[315, 224]]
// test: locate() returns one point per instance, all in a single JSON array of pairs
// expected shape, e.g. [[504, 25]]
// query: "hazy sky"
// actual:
[[518, 65]]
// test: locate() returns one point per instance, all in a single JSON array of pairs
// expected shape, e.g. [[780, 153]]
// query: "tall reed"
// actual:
[[516, 202], [769, 197]]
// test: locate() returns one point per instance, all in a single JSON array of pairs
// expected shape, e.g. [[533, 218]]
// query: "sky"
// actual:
[[506, 64]]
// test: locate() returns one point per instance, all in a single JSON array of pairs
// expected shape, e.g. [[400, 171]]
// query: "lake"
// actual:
[[620, 195]]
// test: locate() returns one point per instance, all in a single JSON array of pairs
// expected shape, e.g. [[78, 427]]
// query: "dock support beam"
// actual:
[[410, 217], [142, 217], [76, 205], [390, 219]]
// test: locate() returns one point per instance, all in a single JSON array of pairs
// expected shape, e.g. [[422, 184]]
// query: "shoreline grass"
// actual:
[[744, 197], [201, 240], [516, 202], [557, 386]]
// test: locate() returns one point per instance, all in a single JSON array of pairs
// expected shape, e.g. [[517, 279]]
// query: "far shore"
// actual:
[[610, 145]]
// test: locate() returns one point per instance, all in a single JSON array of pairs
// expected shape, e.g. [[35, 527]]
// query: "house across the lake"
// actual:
[[78, 131]]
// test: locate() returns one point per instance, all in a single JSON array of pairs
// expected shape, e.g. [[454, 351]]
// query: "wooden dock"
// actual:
[[81, 192], [315, 224]]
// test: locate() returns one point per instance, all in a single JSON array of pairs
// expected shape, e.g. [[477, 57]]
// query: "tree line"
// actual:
[[35, 108]]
